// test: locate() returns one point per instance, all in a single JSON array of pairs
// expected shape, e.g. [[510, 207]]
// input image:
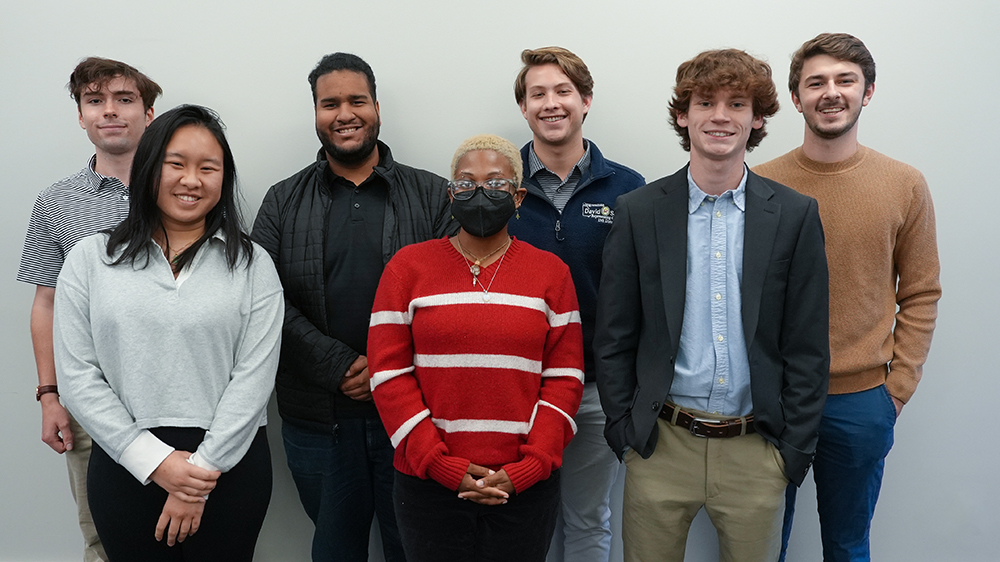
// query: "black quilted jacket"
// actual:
[[291, 226]]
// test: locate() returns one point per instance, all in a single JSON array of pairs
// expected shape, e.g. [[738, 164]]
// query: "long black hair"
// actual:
[[135, 232]]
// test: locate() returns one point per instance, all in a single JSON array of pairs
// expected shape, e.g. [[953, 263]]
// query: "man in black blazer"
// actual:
[[711, 347]]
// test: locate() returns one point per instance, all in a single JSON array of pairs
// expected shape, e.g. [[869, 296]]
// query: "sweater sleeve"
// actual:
[[917, 292], [395, 389], [561, 389], [86, 392], [242, 408]]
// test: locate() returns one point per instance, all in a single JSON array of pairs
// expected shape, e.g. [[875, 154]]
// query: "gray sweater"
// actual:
[[137, 349]]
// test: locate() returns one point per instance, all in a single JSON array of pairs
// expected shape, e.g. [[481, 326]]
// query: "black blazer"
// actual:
[[785, 294]]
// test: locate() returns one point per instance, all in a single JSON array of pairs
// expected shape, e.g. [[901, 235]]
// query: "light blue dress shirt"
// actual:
[[712, 372]]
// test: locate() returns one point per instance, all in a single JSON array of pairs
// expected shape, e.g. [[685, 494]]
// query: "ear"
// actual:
[[524, 108], [758, 121], [519, 196], [682, 120], [586, 103], [149, 116], [869, 92], [79, 117], [797, 102]]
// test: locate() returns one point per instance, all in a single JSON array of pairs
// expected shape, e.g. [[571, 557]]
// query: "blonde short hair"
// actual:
[[497, 144]]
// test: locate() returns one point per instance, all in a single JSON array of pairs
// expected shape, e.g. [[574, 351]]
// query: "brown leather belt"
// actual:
[[701, 427]]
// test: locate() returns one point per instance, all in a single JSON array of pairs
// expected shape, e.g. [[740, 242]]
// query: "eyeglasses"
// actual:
[[494, 188]]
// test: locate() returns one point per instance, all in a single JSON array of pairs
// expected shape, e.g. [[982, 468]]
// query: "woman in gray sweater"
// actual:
[[167, 332]]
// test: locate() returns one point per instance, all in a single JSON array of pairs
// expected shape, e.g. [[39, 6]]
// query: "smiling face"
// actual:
[[191, 179], [347, 118], [719, 125], [830, 96], [553, 106], [113, 116]]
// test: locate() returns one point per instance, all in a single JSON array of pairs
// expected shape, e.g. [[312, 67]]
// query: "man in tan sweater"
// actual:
[[880, 241]]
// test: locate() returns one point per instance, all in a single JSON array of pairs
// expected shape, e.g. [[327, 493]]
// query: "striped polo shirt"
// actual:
[[64, 213], [555, 188]]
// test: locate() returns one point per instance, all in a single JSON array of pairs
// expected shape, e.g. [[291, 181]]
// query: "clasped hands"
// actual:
[[485, 486], [187, 486]]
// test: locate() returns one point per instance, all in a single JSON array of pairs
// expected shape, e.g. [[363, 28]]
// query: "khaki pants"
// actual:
[[740, 482], [77, 461]]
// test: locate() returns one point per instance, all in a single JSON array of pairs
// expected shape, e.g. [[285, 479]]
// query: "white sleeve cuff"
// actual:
[[143, 455], [200, 462]]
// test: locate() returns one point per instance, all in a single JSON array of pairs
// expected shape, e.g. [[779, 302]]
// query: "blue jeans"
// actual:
[[855, 436], [344, 479]]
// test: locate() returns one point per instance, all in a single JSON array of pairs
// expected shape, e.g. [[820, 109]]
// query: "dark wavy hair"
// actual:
[[99, 71], [134, 233], [730, 69]]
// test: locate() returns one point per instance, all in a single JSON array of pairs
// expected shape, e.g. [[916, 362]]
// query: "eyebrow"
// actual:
[[173, 154], [349, 98], [850, 73]]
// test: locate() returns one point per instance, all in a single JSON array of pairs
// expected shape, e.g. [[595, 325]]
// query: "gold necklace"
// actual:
[[474, 266], [177, 252]]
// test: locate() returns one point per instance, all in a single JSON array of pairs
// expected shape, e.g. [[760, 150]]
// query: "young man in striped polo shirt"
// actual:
[[114, 105]]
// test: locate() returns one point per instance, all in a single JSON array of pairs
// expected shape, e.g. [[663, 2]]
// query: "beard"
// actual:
[[836, 132], [354, 155]]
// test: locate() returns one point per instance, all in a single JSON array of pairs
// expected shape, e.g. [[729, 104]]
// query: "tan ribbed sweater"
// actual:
[[882, 253]]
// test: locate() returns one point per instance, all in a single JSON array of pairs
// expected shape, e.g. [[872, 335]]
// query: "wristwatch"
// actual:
[[45, 389]]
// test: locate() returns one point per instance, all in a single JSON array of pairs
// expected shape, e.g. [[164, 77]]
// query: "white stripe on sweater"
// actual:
[[390, 317], [408, 426], [382, 376], [561, 372], [482, 426], [505, 299], [568, 417], [478, 361]]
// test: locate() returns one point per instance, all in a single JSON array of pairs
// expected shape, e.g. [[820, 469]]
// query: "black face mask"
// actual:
[[481, 215]]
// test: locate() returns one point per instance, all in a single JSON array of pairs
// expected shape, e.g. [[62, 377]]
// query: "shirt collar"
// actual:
[[696, 195], [535, 164], [98, 181]]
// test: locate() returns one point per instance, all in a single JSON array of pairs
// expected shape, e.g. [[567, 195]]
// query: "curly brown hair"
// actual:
[[725, 69], [99, 71]]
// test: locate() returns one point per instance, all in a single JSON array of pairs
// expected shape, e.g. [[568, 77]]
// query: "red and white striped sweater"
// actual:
[[461, 376]]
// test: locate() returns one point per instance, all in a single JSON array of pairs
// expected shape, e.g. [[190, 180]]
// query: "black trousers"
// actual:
[[436, 525], [125, 512]]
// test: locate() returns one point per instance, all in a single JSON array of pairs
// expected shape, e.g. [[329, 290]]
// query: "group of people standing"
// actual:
[[469, 361]]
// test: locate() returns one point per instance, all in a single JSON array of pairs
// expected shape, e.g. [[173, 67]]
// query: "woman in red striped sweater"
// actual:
[[476, 355]]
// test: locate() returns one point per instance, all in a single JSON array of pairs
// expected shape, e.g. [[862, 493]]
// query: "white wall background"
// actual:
[[444, 71]]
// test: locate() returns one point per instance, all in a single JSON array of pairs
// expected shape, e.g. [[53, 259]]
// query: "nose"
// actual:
[[190, 177], [345, 113], [720, 112], [110, 109], [831, 90], [550, 101]]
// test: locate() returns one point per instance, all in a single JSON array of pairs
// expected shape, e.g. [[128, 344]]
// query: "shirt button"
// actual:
[[722, 380], [656, 406], [718, 213], [357, 205], [718, 254], [720, 337], [718, 296], [356, 190], [711, 198]]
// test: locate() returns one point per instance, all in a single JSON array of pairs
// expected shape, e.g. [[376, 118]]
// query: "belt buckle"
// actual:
[[696, 425]]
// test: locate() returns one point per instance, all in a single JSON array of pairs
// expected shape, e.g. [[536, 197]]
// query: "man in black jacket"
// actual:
[[330, 229]]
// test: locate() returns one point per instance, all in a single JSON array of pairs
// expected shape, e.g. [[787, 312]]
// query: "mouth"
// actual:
[[719, 134], [347, 130], [831, 110], [553, 118], [188, 198]]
